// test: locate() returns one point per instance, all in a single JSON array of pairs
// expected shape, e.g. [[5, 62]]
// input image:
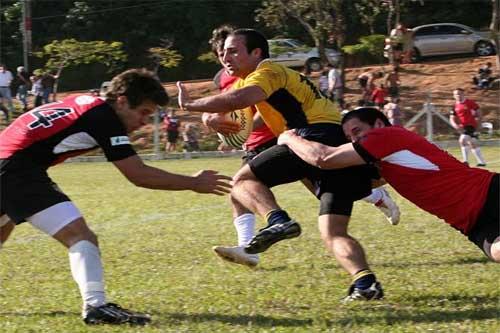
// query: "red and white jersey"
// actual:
[[53, 132], [466, 112], [426, 175], [259, 135]]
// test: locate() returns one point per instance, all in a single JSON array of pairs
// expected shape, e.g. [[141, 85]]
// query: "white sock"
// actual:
[[245, 228], [479, 156], [376, 196], [86, 268], [465, 153]]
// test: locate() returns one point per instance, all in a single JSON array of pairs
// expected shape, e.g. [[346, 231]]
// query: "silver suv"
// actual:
[[293, 53], [450, 38]]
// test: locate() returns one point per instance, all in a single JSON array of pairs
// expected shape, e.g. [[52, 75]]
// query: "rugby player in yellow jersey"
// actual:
[[286, 99]]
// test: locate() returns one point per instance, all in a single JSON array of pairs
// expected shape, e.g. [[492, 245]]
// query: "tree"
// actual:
[[368, 11], [495, 28], [313, 15], [70, 52], [164, 55]]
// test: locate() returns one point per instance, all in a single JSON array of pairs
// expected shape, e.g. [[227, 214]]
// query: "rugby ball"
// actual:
[[245, 119]]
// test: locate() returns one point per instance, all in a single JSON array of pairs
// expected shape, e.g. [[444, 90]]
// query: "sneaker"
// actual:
[[389, 208], [111, 313], [481, 164], [272, 234], [237, 255], [373, 292]]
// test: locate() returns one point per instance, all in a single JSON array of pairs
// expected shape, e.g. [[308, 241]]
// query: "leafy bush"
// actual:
[[370, 47]]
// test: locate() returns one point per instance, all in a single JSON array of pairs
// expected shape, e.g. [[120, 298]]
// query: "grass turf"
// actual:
[[157, 254]]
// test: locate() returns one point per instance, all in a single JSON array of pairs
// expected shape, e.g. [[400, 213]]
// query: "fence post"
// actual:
[[156, 136]]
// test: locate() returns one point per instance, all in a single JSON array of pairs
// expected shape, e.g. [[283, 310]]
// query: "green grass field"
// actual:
[[157, 253]]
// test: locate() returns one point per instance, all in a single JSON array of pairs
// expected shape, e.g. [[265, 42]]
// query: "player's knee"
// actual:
[[244, 174], [495, 251]]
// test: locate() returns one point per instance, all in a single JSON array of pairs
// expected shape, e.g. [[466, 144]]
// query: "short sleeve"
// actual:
[[106, 128]]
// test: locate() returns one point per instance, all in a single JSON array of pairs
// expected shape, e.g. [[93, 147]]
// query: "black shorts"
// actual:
[[172, 136], [487, 227], [280, 165], [470, 131], [27, 192], [250, 154]]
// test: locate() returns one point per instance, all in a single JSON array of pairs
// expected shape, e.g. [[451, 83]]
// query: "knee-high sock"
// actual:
[[375, 196], [465, 153], [479, 156], [86, 268], [245, 228]]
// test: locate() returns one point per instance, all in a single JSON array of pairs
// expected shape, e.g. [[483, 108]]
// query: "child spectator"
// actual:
[[393, 112], [378, 96], [323, 82], [172, 124], [483, 77], [190, 138], [37, 90]]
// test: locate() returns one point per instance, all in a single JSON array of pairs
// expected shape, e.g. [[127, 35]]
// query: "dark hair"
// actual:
[[254, 40], [366, 115], [139, 86], [459, 89], [219, 35]]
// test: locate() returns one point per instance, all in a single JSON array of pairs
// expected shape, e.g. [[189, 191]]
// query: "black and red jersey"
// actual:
[[427, 176], [53, 132]]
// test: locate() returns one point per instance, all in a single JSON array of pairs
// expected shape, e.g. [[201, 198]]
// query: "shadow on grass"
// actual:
[[451, 261], [435, 315], [257, 320], [36, 314], [430, 316]]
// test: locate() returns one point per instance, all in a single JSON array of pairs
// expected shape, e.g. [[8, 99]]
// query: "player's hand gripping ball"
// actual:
[[245, 119]]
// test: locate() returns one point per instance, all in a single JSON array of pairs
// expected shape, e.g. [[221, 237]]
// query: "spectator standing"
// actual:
[[465, 117], [323, 82], [378, 96], [172, 124], [336, 85], [393, 112], [48, 81], [190, 137], [5, 92], [21, 84], [366, 81], [36, 90], [391, 81], [407, 45]]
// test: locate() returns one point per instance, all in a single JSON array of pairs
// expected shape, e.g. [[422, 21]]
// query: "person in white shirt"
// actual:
[[335, 85], [5, 93]]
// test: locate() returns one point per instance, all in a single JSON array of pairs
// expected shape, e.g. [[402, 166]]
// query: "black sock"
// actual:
[[364, 279], [277, 216]]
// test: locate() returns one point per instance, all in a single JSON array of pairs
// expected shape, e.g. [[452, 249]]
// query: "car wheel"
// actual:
[[314, 65], [484, 48], [415, 55]]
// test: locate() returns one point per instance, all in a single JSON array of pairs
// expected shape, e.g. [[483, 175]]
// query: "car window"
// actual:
[[449, 30], [426, 31]]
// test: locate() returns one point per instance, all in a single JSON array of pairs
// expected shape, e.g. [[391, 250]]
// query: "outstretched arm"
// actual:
[[320, 155], [223, 102], [140, 174]]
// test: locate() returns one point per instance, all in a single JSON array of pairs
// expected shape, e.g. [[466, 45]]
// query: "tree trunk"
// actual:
[[495, 29], [390, 12], [397, 9]]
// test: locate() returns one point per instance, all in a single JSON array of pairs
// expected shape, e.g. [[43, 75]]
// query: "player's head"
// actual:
[[358, 122], [136, 94], [459, 94], [244, 49], [219, 35]]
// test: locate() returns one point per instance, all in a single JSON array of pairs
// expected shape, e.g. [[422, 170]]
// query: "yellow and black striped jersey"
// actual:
[[292, 100]]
